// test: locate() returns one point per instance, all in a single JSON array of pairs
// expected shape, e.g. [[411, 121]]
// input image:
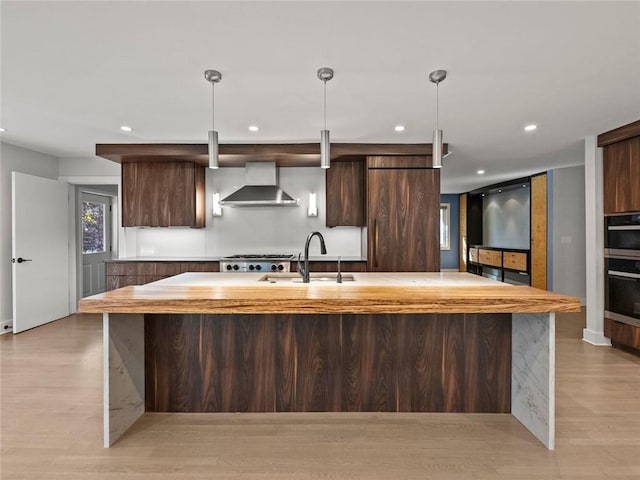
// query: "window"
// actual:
[[93, 227], [445, 226]]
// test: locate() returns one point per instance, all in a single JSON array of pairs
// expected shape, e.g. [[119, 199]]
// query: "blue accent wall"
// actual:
[[449, 258]]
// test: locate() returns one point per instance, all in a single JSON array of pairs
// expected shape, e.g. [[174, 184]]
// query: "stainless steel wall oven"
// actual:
[[622, 290], [622, 234], [622, 268]]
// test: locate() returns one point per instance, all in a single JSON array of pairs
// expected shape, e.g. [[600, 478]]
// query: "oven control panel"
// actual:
[[237, 266]]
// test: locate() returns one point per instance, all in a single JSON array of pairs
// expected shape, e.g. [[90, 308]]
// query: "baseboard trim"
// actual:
[[595, 338]]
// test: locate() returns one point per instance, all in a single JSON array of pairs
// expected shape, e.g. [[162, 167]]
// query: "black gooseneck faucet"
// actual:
[[304, 271]]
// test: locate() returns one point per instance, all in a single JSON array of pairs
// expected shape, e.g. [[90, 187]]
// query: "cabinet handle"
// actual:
[[624, 227], [375, 243]]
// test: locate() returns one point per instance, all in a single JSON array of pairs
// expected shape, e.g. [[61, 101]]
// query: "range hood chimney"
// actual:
[[260, 189]]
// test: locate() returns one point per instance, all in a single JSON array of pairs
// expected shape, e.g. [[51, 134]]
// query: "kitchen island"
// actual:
[[400, 342]]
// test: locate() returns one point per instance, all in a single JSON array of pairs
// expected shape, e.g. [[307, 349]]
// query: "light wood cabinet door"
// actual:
[[515, 261], [403, 218], [492, 258]]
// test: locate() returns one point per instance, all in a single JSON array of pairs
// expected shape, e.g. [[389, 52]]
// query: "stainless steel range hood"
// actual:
[[260, 189]]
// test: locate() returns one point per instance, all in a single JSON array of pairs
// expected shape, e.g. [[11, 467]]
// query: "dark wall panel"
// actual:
[[487, 369], [305, 363]]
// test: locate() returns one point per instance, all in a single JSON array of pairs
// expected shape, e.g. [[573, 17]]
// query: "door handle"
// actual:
[[21, 260], [614, 273]]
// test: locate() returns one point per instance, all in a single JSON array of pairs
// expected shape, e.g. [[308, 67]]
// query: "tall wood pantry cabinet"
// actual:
[[403, 214]]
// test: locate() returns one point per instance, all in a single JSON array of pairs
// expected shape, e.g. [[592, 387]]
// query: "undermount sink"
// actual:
[[313, 278]]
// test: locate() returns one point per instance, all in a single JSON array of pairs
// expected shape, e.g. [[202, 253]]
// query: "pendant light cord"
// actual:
[[437, 104], [213, 117]]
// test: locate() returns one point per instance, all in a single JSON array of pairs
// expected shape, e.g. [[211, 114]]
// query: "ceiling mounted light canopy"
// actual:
[[214, 77], [325, 74], [436, 77]]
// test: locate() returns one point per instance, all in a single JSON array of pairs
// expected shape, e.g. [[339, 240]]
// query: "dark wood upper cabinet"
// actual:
[[622, 176], [168, 194], [345, 193], [403, 215]]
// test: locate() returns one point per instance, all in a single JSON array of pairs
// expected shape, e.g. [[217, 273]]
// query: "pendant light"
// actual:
[[436, 77], [214, 77], [325, 74]]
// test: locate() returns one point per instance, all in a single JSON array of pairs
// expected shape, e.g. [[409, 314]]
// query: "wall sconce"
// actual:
[[313, 206], [217, 208]]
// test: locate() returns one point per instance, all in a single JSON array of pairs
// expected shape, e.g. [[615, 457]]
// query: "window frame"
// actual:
[[105, 238]]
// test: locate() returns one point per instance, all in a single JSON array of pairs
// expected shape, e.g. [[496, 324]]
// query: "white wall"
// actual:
[[594, 228], [251, 229], [15, 159], [85, 171], [506, 219], [87, 167], [568, 238]]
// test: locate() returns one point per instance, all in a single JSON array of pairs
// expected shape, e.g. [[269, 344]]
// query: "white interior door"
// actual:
[[40, 250], [95, 218]]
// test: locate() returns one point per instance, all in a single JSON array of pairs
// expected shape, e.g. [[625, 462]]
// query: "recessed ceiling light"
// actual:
[[254, 128], [126, 128], [524, 186], [3, 129], [399, 128], [530, 128], [480, 172], [499, 191], [483, 194]]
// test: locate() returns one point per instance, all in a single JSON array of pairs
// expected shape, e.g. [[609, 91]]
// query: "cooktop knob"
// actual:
[[229, 267], [236, 267], [258, 267], [273, 266], [251, 267], [280, 267]]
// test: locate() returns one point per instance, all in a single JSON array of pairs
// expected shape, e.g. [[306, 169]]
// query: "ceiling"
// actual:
[[73, 72]]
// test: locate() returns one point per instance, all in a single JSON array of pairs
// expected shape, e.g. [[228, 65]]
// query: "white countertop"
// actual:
[[409, 279]]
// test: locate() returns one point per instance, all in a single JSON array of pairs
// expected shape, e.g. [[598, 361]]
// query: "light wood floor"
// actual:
[[51, 426]]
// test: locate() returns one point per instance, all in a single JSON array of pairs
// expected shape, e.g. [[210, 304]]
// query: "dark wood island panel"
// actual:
[[334, 362]]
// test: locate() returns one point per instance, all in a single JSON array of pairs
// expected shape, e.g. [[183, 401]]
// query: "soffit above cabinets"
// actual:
[[236, 155]]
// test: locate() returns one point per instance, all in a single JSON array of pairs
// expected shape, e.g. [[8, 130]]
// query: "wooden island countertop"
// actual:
[[369, 293]]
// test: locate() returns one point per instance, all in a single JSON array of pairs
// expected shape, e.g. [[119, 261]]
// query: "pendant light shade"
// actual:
[[325, 74], [213, 76], [325, 149], [436, 77], [213, 149], [436, 154]]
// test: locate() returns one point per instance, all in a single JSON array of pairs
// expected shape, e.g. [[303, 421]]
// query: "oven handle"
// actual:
[[624, 227], [615, 273]]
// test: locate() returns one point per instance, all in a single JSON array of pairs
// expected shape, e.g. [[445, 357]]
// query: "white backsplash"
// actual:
[[170, 242], [251, 229]]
